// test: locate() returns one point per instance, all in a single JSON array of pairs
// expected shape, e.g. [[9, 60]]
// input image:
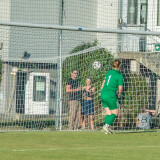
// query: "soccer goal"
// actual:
[[40, 57]]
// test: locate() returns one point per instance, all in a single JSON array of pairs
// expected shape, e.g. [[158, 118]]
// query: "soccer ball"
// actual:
[[96, 65]]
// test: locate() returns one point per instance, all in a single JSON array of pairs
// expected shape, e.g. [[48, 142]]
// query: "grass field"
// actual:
[[79, 146]]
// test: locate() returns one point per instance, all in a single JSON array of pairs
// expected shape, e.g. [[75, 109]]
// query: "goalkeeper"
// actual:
[[112, 82]]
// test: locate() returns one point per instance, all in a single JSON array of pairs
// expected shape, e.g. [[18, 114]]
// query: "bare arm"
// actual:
[[68, 89], [93, 90], [102, 84], [120, 89], [151, 111], [83, 88]]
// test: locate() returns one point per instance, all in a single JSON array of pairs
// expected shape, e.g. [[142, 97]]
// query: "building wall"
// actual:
[[8, 91], [152, 16], [16, 91], [152, 24], [95, 13], [41, 43], [5, 8], [130, 43], [108, 16]]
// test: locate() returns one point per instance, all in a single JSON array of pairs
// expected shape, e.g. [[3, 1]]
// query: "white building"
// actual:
[[43, 45]]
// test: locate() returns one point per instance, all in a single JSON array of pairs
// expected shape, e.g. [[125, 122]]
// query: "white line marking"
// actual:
[[26, 150], [86, 148]]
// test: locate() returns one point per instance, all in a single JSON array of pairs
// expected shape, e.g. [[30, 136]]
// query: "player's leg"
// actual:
[[113, 111], [113, 115], [113, 106], [104, 100], [107, 121], [107, 118], [108, 113]]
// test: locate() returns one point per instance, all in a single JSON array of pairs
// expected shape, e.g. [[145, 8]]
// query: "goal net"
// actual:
[[41, 52]]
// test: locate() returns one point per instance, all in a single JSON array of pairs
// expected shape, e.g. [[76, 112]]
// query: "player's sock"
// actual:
[[112, 118], [107, 119]]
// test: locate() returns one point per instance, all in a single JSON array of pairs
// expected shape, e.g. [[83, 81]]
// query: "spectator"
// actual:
[[88, 103], [74, 90], [144, 120]]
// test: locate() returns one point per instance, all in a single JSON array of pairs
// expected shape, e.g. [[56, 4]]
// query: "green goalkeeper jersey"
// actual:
[[113, 79]]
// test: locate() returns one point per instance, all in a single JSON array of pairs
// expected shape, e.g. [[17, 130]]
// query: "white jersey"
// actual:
[[144, 121]]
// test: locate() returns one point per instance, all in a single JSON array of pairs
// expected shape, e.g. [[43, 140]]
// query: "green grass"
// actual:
[[79, 146]]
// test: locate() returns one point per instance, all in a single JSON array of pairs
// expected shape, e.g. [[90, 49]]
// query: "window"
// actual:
[[132, 12], [158, 13], [143, 13], [39, 88]]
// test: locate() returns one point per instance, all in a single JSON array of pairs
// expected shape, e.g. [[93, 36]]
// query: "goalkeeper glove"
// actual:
[[119, 96]]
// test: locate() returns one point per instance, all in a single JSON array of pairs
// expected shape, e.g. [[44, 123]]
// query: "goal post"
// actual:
[[43, 43], [37, 62]]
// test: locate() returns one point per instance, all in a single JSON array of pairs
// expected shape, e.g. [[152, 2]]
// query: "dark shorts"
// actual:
[[88, 107]]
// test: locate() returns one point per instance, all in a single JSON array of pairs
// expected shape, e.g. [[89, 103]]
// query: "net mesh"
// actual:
[[36, 64]]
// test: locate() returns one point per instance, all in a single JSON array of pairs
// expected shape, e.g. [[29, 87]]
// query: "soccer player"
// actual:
[[112, 82]]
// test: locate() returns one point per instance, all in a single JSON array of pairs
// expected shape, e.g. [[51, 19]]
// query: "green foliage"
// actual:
[[84, 46], [136, 91], [83, 62]]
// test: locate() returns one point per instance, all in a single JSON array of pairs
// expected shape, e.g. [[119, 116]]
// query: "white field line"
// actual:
[[84, 148]]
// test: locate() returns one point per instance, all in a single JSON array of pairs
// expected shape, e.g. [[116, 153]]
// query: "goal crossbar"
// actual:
[[84, 29]]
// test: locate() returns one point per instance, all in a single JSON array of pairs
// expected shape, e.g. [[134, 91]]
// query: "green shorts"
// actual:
[[108, 101]]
